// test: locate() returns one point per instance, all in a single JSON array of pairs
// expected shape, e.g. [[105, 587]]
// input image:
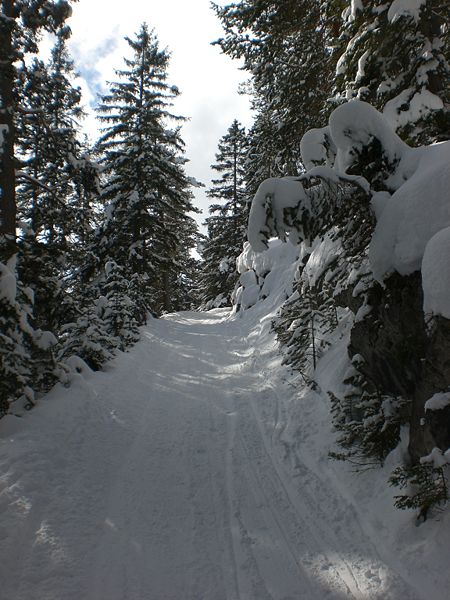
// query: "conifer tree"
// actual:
[[147, 190], [228, 221], [263, 160], [119, 312], [88, 336], [27, 364]]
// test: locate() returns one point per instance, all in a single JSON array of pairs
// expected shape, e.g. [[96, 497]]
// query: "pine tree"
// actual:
[[263, 160], [27, 364], [228, 221], [394, 56], [147, 190]]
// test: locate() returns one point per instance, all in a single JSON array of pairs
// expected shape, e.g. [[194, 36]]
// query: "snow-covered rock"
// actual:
[[416, 211], [436, 275], [438, 401]]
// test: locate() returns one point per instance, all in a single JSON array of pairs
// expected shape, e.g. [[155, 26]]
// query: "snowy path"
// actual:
[[169, 478]]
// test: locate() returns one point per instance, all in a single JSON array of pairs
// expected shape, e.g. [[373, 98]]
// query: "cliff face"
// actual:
[[405, 357]]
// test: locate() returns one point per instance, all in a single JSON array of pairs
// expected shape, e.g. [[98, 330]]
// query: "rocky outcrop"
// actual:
[[405, 357]]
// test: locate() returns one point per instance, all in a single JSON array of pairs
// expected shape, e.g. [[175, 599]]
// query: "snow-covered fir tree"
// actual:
[[27, 364], [147, 229], [91, 336], [228, 221], [119, 310]]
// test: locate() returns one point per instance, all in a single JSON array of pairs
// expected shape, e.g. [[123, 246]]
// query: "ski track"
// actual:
[[176, 481]]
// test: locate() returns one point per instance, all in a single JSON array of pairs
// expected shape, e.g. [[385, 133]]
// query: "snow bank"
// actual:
[[265, 274], [436, 275], [438, 401], [405, 8]]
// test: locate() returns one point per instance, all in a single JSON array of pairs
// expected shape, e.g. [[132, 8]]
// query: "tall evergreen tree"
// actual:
[[228, 221], [146, 190]]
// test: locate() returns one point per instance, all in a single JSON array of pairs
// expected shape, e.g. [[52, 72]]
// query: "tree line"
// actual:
[[93, 237]]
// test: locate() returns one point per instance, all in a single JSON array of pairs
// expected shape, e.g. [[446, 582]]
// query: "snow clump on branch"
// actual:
[[410, 194]]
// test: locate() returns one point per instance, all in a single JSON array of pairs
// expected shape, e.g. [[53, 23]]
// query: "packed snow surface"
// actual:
[[193, 470]]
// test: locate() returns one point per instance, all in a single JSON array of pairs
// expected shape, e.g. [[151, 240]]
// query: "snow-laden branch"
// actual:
[[409, 188]]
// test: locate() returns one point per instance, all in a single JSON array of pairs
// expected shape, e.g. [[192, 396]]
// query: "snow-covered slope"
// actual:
[[193, 469]]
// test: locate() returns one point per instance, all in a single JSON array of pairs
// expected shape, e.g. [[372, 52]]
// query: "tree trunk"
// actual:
[[235, 175], [166, 299], [7, 133]]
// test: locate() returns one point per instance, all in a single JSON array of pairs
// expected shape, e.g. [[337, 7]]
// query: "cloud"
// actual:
[[88, 63]]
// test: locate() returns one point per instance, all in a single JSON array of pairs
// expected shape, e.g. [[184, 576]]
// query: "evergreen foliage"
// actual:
[[119, 311], [227, 222], [282, 44], [51, 180], [427, 486], [20, 26], [88, 337], [367, 420], [27, 365], [303, 325], [147, 228]]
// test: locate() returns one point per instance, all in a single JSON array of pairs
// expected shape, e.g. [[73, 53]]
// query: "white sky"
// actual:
[[207, 79]]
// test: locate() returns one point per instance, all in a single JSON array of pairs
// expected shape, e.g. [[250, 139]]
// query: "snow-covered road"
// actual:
[[170, 477]]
